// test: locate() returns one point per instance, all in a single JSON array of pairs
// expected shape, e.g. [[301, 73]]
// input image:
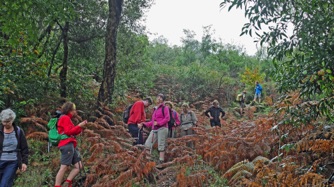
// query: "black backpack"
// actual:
[[126, 114], [171, 118], [171, 122]]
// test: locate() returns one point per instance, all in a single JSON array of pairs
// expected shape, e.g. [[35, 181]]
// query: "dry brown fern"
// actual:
[[38, 136]]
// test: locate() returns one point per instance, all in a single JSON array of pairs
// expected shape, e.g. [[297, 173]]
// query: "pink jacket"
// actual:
[[161, 118]]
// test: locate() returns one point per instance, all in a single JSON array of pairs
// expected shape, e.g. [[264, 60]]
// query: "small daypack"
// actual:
[[126, 114], [54, 136], [171, 121]]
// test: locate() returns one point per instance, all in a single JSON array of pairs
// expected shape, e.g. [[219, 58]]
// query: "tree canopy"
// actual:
[[299, 36]]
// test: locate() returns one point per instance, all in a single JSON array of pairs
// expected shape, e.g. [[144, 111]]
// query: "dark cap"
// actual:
[[162, 96]]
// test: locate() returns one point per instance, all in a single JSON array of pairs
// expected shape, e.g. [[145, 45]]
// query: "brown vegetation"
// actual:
[[243, 151]]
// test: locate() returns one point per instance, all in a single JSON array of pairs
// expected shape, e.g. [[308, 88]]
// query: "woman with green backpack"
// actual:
[[69, 154]]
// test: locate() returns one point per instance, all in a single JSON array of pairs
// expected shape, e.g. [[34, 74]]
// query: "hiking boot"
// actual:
[[159, 164]]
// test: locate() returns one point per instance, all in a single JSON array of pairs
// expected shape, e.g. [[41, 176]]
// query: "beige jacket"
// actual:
[[188, 120]]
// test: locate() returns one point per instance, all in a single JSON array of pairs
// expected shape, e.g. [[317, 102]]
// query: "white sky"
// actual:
[[169, 17]]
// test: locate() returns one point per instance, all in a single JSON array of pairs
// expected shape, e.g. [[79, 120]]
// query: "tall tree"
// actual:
[[110, 61]]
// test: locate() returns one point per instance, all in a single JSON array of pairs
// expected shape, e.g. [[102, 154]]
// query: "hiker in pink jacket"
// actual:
[[159, 124]]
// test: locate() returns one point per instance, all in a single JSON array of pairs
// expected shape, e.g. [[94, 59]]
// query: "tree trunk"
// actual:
[[63, 72], [109, 71]]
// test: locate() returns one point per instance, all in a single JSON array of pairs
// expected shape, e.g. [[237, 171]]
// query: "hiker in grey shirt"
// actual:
[[188, 120], [14, 148]]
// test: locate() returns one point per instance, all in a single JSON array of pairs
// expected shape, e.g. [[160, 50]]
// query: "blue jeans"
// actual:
[[8, 171]]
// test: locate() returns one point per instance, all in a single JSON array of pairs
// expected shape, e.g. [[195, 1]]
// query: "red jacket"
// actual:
[[65, 126], [137, 113]]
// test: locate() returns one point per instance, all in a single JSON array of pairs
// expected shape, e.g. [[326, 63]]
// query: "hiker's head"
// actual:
[[215, 103], [185, 107], [244, 92], [169, 104], [148, 101], [7, 117], [160, 98], [257, 82], [69, 108]]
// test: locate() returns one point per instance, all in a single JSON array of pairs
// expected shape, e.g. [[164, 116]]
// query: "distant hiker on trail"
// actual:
[[188, 119], [241, 99], [173, 121], [258, 91], [215, 113], [14, 148], [137, 117], [159, 124], [69, 153]]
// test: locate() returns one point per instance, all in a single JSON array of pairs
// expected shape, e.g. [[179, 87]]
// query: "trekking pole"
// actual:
[[49, 144], [152, 142]]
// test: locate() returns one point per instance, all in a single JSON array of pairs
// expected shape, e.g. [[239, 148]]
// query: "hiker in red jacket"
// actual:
[[69, 154], [159, 124], [137, 118]]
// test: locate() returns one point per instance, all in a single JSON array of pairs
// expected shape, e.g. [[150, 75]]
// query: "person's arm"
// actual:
[[65, 124], [208, 112], [181, 118], [143, 114], [150, 123], [194, 118], [177, 119], [24, 150], [223, 113]]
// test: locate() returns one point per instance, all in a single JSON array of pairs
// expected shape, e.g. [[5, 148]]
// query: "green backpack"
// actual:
[[54, 136]]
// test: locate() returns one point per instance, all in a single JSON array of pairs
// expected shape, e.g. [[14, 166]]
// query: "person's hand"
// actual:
[[155, 123], [24, 167], [82, 124], [140, 125], [211, 117]]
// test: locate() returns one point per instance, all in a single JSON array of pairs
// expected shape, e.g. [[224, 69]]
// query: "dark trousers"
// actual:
[[170, 132], [136, 133]]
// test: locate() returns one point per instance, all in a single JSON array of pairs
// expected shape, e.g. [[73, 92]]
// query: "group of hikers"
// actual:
[[242, 97], [164, 121], [14, 147]]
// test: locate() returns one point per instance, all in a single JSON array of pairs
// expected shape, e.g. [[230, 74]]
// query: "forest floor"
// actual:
[[246, 151]]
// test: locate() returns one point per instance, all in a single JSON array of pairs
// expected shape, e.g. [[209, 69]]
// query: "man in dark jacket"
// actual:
[[215, 113]]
